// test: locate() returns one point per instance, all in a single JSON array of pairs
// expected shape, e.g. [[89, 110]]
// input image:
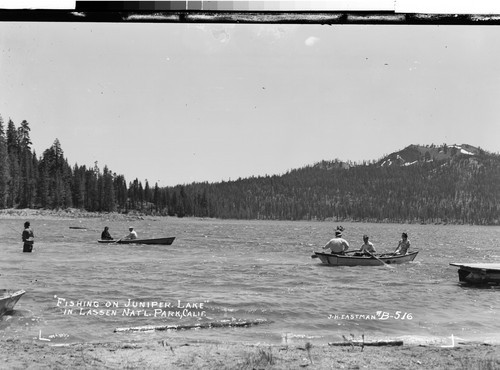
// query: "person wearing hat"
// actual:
[[132, 234], [337, 245], [367, 248], [28, 238], [403, 245], [105, 235]]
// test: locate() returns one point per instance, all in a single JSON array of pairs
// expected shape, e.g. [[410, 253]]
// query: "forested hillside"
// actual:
[[425, 184], [438, 184]]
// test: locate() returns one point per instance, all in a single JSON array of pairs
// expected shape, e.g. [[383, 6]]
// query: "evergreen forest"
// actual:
[[419, 184]]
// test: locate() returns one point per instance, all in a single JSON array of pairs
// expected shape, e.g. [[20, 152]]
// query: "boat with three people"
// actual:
[[347, 259]]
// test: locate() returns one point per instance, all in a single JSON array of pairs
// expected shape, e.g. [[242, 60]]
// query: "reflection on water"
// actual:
[[78, 290]]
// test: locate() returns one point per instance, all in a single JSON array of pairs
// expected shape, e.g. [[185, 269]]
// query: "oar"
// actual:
[[394, 253], [117, 241], [384, 263], [316, 256]]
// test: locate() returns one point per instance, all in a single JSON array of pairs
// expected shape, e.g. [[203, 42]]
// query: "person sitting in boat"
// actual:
[[403, 246], [367, 249], [105, 235], [337, 245], [132, 234]]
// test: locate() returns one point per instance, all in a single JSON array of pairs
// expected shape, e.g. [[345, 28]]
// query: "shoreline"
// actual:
[[74, 213], [167, 354]]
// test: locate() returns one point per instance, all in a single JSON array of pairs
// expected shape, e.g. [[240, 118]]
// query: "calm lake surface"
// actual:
[[244, 270]]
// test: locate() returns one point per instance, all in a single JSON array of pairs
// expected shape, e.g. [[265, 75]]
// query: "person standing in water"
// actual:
[[28, 238]]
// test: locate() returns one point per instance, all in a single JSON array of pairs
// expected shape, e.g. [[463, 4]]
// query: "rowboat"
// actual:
[[346, 260], [163, 241], [8, 299], [478, 273]]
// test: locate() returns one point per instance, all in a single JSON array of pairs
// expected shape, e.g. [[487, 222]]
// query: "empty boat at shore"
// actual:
[[478, 273], [8, 299]]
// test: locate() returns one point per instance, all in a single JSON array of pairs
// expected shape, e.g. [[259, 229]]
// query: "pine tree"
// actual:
[[14, 168], [120, 191], [108, 191], [4, 166], [27, 172]]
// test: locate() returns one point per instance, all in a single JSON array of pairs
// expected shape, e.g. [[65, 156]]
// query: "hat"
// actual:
[[130, 227], [338, 233]]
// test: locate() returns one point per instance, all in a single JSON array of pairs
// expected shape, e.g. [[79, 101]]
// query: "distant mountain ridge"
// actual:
[[410, 155], [417, 153], [424, 184]]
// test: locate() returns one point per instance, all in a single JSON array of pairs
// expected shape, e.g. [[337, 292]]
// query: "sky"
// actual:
[[181, 103]]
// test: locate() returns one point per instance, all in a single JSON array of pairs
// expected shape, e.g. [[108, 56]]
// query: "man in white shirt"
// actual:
[[132, 234], [367, 247], [337, 245]]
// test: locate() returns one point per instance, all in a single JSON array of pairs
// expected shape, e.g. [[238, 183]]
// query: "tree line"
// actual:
[[459, 189], [48, 181]]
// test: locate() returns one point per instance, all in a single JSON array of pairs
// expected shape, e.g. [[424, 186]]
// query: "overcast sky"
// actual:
[[177, 103]]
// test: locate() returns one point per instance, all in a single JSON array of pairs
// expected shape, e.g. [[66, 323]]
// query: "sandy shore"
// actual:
[[70, 213], [16, 354]]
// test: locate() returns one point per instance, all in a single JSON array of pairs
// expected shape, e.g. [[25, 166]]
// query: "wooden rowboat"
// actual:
[[8, 299], [346, 260], [478, 273], [163, 241]]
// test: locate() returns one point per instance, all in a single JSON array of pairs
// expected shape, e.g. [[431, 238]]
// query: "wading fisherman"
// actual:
[[28, 238]]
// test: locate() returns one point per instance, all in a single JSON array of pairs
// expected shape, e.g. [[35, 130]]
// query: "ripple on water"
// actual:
[[250, 269]]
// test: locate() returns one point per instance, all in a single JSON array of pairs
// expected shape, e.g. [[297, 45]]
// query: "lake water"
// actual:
[[219, 270]]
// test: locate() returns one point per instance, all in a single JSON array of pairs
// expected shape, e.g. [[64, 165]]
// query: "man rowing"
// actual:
[[131, 235], [367, 249]]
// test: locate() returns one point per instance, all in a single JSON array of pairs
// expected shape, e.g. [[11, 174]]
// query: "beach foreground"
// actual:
[[17, 354]]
